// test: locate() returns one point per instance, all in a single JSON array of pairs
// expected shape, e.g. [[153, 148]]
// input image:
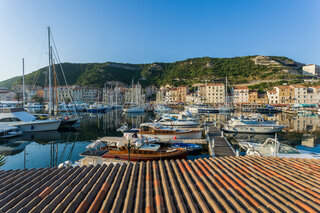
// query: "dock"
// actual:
[[218, 145]]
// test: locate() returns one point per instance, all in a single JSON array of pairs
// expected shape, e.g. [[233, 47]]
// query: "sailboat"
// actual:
[[134, 105], [26, 122], [226, 108]]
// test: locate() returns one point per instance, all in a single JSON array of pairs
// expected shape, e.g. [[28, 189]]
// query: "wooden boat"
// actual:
[[158, 131], [140, 149], [143, 154]]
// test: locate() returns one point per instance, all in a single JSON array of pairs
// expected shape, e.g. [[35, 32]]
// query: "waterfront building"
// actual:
[[286, 94], [30, 94], [211, 93], [311, 69], [215, 93], [113, 96], [7, 95], [74, 93], [315, 97], [161, 97], [150, 91], [175, 95], [300, 94], [273, 97], [253, 97], [240, 94], [134, 95]]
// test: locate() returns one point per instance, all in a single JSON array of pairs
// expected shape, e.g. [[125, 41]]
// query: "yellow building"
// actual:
[[286, 94], [253, 97]]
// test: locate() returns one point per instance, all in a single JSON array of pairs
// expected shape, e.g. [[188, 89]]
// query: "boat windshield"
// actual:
[[10, 119], [285, 149]]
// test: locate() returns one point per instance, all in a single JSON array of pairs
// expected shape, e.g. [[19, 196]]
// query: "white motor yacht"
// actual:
[[7, 131], [154, 130], [25, 121], [185, 115], [170, 121], [272, 147], [252, 125]]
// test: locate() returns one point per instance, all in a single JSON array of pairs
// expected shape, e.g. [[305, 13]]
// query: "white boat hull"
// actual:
[[187, 135], [37, 126], [248, 129], [179, 124], [133, 110]]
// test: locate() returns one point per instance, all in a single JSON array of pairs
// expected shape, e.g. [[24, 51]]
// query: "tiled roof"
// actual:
[[215, 84], [232, 184], [298, 86], [240, 87]]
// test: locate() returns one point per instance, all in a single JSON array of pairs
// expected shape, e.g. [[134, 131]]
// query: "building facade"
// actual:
[[300, 94], [273, 97], [286, 94], [240, 94], [311, 69]]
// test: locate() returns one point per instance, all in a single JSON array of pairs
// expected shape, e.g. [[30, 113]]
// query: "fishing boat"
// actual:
[[26, 122], [272, 147], [7, 131], [158, 131], [170, 121], [252, 125]]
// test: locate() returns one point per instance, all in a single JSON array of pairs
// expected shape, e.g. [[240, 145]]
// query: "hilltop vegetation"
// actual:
[[186, 72]]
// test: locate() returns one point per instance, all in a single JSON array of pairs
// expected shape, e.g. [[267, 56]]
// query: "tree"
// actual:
[[38, 99], [18, 97]]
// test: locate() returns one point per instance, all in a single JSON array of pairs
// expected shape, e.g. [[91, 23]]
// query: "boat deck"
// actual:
[[122, 139], [219, 144]]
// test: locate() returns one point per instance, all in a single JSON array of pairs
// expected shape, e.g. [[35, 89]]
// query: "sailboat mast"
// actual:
[[23, 86], [50, 88], [226, 92]]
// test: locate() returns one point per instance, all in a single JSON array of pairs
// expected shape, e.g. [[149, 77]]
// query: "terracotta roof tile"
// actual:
[[229, 184]]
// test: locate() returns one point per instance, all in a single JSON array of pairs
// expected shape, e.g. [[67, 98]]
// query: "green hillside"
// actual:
[[238, 69]]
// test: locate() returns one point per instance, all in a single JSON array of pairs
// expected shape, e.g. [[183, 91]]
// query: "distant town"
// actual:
[[205, 93]]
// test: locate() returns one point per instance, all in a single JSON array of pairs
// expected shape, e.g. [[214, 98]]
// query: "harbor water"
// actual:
[[49, 149]]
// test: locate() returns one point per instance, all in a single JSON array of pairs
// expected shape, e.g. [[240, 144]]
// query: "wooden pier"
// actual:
[[218, 144]]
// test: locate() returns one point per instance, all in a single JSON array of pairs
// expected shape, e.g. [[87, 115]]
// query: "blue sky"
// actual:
[[143, 31]]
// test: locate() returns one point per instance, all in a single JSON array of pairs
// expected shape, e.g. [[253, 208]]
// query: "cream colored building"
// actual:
[[215, 93], [311, 69], [300, 94], [240, 94]]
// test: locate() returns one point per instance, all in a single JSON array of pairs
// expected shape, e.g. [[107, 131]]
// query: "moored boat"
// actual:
[[251, 125], [272, 147], [170, 121], [159, 131], [7, 131], [134, 149], [25, 121]]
